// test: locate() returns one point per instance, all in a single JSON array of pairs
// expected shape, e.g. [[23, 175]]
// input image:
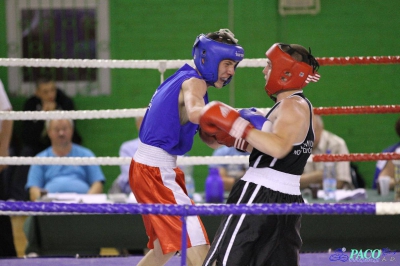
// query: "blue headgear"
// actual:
[[207, 55]]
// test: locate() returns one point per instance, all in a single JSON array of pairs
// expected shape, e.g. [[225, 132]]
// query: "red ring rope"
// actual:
[[372, 109], [358, 60], [356, 157]]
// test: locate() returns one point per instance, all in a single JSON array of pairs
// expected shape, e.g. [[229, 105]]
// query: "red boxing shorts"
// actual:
[[165, 185]]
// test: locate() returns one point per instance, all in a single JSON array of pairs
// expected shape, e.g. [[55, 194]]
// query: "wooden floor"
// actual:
[[20, 240]]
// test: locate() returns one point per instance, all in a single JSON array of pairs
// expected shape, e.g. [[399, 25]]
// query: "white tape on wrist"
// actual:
[[240, 144], [238, 127]]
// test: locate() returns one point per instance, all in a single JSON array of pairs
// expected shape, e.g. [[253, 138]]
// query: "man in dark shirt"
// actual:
[[34, 138]]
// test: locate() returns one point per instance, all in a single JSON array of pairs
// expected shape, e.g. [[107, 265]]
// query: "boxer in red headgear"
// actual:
[[280, 144], [290, 73]]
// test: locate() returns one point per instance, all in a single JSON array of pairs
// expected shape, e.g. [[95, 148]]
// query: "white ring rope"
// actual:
[[161, 65], [96, 114], [122, 113], [387, 208], [181, 160], [79, 114]]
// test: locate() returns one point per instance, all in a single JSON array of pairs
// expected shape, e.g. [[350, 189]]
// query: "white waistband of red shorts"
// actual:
[[154, 156], [273, 179]]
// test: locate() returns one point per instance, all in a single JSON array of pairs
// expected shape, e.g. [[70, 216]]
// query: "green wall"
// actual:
[[156, 29]]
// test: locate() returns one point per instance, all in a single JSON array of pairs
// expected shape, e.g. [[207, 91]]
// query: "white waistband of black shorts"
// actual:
[[273, 179], [154, 156]]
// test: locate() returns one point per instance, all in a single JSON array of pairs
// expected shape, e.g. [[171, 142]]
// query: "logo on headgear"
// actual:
[[239, 54], [208, 53]]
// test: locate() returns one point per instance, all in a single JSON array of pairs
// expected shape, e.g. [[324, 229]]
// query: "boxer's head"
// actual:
[[290, 67], [210, 49]]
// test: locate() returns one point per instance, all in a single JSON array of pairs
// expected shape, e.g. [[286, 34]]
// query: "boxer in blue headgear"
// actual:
[[209, 50], [168, 129]]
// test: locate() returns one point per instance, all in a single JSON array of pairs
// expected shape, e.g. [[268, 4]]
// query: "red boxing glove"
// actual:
[[217, 115], [206, 137], [225, 139]]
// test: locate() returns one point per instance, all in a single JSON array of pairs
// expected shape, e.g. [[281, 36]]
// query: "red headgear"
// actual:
[[286, 72]]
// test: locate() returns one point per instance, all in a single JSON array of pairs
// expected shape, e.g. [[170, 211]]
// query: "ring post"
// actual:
[[162, 67]]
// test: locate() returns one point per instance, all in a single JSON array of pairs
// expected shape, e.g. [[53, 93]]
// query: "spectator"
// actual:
[[7, 248], [324, 141], [64, 178], [127, 149], [230, 173], [386, 168], [33, 136]]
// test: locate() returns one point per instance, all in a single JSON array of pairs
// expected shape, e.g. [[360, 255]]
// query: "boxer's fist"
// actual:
[[206, 137], [256, 119], [225, 139], [217, 115]]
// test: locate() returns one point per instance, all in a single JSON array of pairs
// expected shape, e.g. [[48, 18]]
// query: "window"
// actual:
[[296, 7], [59, 29]]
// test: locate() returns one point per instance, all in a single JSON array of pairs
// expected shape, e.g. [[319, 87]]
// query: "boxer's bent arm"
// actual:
[[290, 127], [193, 92]]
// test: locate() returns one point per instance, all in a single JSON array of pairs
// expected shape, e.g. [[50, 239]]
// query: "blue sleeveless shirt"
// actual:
[[161, 124]]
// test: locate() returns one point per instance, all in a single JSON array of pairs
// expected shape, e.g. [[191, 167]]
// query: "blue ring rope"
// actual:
[[189, 210]]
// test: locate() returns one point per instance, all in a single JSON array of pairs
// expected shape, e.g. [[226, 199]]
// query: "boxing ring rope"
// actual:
[[175, 64], [128, 113], [190, 160], [163, 65], [193, 160], [50, 208], [41, 208]]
